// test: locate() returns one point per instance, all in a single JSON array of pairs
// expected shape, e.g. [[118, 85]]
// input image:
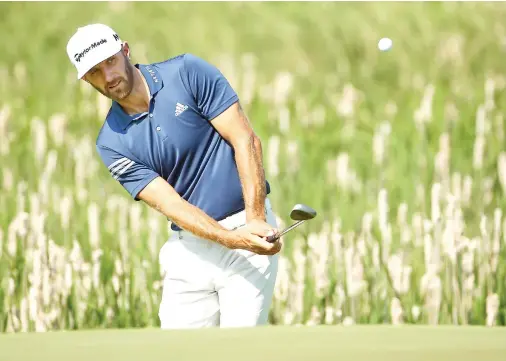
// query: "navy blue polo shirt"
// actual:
[[175, 139]]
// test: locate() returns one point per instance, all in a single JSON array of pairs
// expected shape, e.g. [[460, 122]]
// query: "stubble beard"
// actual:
[[126, 85], [124, 89]]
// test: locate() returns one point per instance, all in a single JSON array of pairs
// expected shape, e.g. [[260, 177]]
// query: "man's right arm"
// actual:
[[161, 196]]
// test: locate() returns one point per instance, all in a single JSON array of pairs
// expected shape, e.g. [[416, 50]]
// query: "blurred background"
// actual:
[[401, 152]]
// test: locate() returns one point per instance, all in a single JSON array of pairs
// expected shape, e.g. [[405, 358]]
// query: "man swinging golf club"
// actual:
[[176, 138]]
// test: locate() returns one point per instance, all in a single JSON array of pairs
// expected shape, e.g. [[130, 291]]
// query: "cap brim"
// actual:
[[97, 60]]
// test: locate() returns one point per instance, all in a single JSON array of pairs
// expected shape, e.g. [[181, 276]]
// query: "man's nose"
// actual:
[[108, 76]]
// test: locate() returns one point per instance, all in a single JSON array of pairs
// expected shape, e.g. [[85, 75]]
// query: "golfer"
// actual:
[[176, 138]]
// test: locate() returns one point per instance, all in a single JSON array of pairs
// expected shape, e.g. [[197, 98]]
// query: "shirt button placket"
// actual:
[[158, 128]]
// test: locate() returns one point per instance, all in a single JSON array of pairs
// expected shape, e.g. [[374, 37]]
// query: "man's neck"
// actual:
[[138, 100]]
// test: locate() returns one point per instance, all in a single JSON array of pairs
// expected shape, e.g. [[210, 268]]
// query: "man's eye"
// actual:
[[110, 60]]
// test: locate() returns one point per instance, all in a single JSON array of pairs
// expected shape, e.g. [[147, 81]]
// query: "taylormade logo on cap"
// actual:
[[90, 45], [82, 53]]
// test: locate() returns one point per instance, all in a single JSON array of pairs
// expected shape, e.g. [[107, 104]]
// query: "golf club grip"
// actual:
[[273, 238]]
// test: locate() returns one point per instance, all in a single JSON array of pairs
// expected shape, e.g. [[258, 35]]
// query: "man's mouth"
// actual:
[[114, 85]]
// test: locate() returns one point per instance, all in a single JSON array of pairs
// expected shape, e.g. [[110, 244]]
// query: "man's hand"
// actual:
[[261, 228], [252, 237]]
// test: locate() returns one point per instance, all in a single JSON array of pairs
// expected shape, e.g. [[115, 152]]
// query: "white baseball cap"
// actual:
[[90, 45]]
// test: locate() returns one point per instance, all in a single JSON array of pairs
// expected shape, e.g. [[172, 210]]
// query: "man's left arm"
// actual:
[[219, 103], [234, 127]]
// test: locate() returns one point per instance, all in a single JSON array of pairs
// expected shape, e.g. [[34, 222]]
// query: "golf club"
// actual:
[[299, 213]]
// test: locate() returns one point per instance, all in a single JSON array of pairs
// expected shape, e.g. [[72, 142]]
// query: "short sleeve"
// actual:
[[134, 177], [209, 87]]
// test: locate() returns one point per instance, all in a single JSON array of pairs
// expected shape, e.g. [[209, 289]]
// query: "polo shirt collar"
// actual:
[[155, 83], [152, 77]]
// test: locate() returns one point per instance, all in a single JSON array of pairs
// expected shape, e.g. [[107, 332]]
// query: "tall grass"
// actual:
[[402, 153]]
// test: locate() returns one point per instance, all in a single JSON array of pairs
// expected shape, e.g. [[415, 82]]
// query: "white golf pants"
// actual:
[[208, 285]]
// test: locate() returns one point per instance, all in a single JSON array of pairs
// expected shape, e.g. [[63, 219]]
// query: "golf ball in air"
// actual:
[[384, 44]]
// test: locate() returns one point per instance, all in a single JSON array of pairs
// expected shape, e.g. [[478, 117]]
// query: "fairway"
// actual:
[[357, 343]]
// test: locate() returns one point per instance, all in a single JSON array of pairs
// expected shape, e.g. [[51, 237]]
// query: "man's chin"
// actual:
[[120, 95]]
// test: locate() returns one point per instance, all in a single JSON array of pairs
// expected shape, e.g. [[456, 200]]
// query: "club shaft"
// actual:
[[288, 229]]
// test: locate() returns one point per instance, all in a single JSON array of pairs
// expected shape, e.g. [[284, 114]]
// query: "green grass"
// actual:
[[363, 343], [329, 52]]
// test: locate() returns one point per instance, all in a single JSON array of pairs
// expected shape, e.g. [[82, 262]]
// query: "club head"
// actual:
[[302, 212]]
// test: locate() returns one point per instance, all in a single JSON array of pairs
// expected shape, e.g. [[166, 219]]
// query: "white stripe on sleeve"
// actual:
[[125, 168], [118, 168], [117, 162]]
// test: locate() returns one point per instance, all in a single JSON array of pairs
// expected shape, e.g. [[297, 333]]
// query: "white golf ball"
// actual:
[[385, 44]]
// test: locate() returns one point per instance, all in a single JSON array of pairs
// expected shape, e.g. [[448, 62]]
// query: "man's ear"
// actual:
[[126, 49]]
